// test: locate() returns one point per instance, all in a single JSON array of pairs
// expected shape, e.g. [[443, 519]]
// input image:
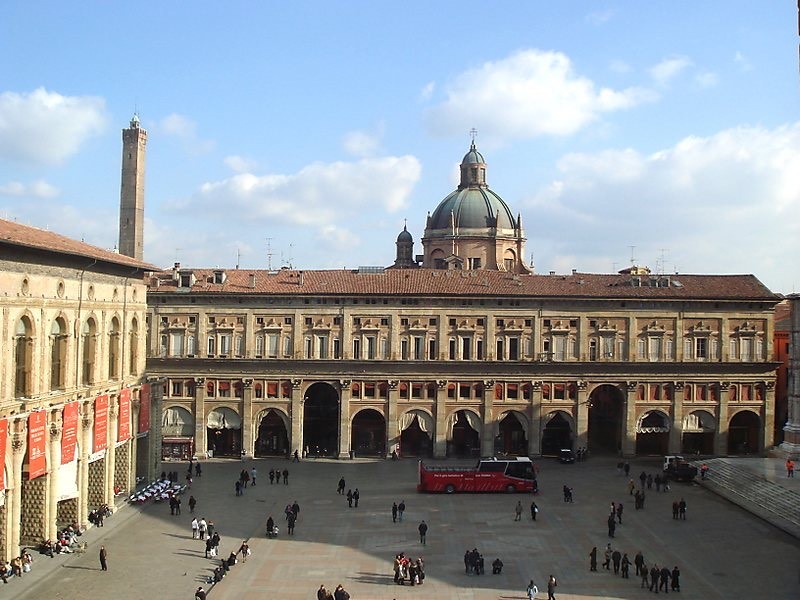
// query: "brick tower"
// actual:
[[131, 197]]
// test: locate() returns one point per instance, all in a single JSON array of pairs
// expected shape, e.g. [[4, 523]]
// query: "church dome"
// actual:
[[472, 208], [473, 157], [405, 236]]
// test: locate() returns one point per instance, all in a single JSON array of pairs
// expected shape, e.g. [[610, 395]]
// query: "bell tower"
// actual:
[[131, 197]]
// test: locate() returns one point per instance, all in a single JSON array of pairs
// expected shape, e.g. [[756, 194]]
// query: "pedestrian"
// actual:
[[643, 478], [271, 476], [210, 527], [198, 471], [616, 558], [322, 593], [655, 575], [286, 477], [665, 577], [676, 579], [619, 513], [675, 510], [195, 525], [394, 512], [192, 503], [497, 566], [200, 594], [551, 588], [339, 593], [631, 487], [350, 498], [340, 489], [401, 508], [177, 506], [238, 486], [612, 526], [201, 528], [657, 481], [518, 511], [290, 521], [789, 468], [244, 550], [209, 545], [643, 573], [532, 590], [423, 531], [565, 489], [534, 511], [172, 505], [270, 527], [682, 509], [593, 559], [467, 562], [638, 562], [649, 481], [626, 566], [296, 509], [704, 470], [253, 474], [357, 495], [607, 557], [103, 558], [627, 468]]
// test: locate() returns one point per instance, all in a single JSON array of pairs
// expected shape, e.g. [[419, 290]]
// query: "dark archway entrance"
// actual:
[[273, 439], [743, 433], [321, 420], [606, 403], [414, 441], [698, 433], [512, 439], [557, 434], [652, 434], [368, 433], [224, 432], [465, 442]]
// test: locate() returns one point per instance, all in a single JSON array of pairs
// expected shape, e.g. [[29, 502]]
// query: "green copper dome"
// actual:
[[472, 208]]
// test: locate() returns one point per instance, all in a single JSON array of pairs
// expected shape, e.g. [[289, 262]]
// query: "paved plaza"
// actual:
[[721, 550]]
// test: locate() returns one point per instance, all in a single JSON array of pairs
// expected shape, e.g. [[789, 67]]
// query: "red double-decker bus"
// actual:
[[489, 475]]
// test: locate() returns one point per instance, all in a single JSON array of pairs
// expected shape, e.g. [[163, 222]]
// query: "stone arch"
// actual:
[[88, 342], [272, 426], [368, 432], [509, 255], [698, 432], [177, 421], [133, 346], [744, 432], [511, 433], [606, 419], [24, 351], [321, 419], [652, 432], [114, 332], [416, 427], [464, 433], [558, 431], [224, 431], [58, 351]]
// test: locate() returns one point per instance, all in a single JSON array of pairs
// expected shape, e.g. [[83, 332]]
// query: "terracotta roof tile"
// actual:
[[16, 234], [430, 282]]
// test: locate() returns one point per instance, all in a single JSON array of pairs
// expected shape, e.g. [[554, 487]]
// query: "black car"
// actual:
[[566, 455]]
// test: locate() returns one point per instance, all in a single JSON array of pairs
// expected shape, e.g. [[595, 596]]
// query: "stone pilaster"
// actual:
[[297, 417], [156, 422], [582, 417], [676, 430], [768, 431], [200, 437], [54, 463], [134, 442], [628, 434], [19, 433], [721, 440], [535, 430], [392, 423], [487, 432], [344, 419], [248, 441], [440, 430]]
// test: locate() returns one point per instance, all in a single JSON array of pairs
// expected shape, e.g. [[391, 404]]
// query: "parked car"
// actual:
[[679, 469], [566, 455]]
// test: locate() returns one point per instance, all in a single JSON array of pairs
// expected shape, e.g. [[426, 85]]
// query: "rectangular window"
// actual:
[[239, 345], [419, 348], [404, 349], [499, 350], [322, 346], [225, 344], [259, 346], [416, 390], [701, 348], [473, 263], [272, 389], [356, 349], [687, 349], [560, 350], [669, 349], [191, 349], [432, 322], [287, 346], [308, 348], [479, 349], [641, 348], [592, 349], [385, 348], [336, 348], [654, 349], [287, 320], [212, 346], [372, 347], [176, 343], [273, 342], [177, 388], [512, 391], [732, 349], [466, 348], [451, 353], [513, 348], [463, 391], [747, 349], [431, 349], [369, 390]]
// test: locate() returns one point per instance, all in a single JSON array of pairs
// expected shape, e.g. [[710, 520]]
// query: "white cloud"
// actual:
[[35, 189], [362, 144], [427, 90], [600, 17], [44, 127], [669, 68], [718, 204], [619, 66], [742, 62], [707, 79], [184, 129], [530, 93], [319, 195], [239, 164]]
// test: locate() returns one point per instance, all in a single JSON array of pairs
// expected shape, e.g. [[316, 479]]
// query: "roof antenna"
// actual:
[[633, 258], [238, 257], [269, 253]]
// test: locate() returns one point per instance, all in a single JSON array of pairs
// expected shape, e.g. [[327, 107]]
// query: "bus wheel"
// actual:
[[449, 489], [511, 489]]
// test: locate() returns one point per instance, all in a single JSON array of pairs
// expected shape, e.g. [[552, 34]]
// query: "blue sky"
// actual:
[[669, 126]]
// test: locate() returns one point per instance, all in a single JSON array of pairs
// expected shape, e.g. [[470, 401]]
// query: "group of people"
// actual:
[[275, 475], [17, 566], [568, 494], [97, 515], [408, 569], [338, 594], [292, 511], [533, 589], [679, 510], [655, 579], [473, 562], [398, 510]]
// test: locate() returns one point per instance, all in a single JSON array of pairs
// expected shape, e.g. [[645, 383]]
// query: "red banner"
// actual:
[[3, 441], [100, 423], [69, 435], [144, 408], [37, 440], [124, 421]]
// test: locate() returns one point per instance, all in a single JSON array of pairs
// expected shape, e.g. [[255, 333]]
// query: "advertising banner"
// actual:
[[37, 440], [69, 434], [144, 408], [100, 423], [3, 441], [124, 420]]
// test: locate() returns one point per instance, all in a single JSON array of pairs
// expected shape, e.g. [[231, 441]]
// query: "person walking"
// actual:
[[423, 531], [401, 508], [518, 511], [202, 526], [192, 503], [612, 526], [271, 476], [238, 487], [638, 561], [209, 545], [593, 559], [619, 513], [534, 511], [195, 525], [682, 509], [244, 550], [290, 521], [655, 574], [532, 590], [616, 558], [356, 496], [103, 559], [286, 477], [626, 566], [551, 588], [253, 474], [643, 573], [350, 498], [789, 468], [676, 579], [394, 512], [665, 577], [200, 594], [607, 557], [340, 489]]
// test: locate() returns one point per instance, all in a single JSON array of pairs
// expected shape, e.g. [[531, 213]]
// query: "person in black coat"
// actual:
[[593, 559]]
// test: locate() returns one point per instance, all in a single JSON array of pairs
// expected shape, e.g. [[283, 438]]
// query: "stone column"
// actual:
[[629, 422], [535, 429], [676, 430], [721, 440], [111, 452], [156, 422], [200, 437], [344, 419], [54, 463], [768, 431], [134, 445], [296, 417], [248, 440], [440, 430], [87, 422], [19, 442], [487, 435], [791, 431], [582, 417], [392, 423]]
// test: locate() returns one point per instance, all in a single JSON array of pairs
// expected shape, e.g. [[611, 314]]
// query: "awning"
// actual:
[[223, 418], [176, 440]]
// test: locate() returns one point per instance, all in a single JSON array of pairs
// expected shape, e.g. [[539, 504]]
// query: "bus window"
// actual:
[[492, 466], [521, 470]]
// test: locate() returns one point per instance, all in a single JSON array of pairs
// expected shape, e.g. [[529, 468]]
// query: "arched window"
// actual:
[[133, 357], [88, 342], [23, 357], [113, 349], [58, 354]]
